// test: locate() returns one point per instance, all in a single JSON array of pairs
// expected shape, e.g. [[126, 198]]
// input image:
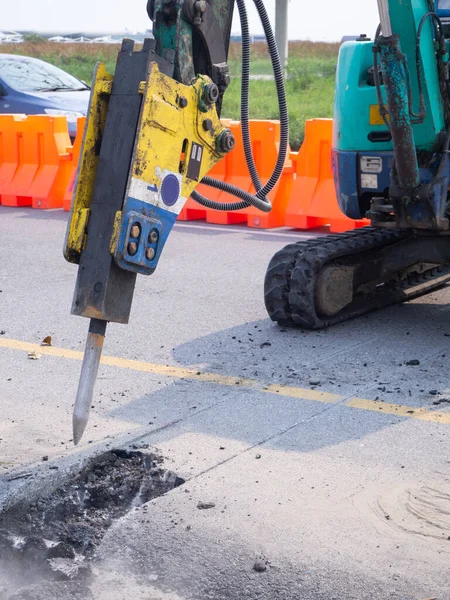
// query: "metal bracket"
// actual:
[[198, 33]]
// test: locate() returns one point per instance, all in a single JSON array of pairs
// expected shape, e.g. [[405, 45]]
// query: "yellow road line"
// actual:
[[294, 392], [132, 365], [410, 412], [400, 411]]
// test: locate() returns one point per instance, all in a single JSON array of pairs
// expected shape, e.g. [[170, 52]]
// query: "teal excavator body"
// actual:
[[413, 63], [391, 164]]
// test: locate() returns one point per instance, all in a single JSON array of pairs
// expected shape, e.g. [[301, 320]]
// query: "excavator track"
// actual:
[[292, 278]]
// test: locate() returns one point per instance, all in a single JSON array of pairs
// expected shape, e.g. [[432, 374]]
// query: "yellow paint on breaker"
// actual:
[[90, 154]]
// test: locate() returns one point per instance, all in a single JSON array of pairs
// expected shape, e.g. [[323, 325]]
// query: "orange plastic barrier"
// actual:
[[73, 165], [16, 193], [50, 182], [236, 174], [313, 202], [43, 153], [265, 137], [38, 168], [233, 169], [9, 150]]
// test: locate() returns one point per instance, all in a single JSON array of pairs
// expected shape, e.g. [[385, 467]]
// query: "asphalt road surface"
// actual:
[[325, 455]]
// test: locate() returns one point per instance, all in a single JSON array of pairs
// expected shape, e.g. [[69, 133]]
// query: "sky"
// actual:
[[326, 20]]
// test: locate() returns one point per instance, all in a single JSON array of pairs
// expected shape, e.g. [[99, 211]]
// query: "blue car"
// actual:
[[31, 86]]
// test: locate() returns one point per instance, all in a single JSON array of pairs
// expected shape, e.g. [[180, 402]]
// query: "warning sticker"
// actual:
[[369, 182], [195, 162], [371, 164]]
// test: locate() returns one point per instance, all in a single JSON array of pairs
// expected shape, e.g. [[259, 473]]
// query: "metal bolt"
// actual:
[[132, 248], [182, 102], [207, 125], [153, 236], [200, 6], [150, 254], [226, 141], [211, 93], [135, 231]]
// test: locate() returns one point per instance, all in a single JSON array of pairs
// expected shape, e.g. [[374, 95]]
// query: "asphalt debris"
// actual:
[[412, 363], [20, 476], [205, 505], [441, 401], [54, 539], [260, 565]]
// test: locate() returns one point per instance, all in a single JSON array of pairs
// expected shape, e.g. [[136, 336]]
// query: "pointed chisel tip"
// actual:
[[79, 425], [89, 370]]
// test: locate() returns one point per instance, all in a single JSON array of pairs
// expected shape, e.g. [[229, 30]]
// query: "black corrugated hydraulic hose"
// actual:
[[260, 200]]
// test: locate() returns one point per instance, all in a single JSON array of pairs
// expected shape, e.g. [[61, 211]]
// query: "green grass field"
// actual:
[[309, 86]]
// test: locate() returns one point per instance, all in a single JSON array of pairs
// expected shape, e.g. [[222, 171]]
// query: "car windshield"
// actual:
[[33, 75]]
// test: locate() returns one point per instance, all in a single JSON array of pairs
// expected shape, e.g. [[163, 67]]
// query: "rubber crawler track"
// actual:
[[290, 282]]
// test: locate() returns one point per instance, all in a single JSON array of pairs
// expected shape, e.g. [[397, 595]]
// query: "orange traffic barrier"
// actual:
[[9, 150], [50, 182], [73, 165], [43, 145], [313, 202], [235, 173], [233, 169], [16, 193], [265, 136]]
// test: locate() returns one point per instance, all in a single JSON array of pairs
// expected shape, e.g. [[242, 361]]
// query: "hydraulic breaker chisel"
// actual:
[[148, 141], [152, 134]]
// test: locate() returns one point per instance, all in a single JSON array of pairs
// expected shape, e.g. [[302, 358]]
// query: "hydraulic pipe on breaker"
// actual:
[[394, 68]]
